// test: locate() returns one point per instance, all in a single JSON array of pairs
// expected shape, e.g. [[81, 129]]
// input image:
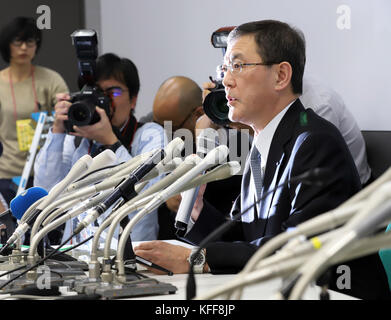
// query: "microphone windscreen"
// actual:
[[23, 201], [105, 158]]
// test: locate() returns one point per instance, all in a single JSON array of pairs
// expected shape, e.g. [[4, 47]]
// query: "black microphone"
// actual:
[[124, 190], [315, 176]]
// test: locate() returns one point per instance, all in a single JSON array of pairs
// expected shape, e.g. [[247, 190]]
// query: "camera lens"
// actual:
[[81, 112], [216, 108]]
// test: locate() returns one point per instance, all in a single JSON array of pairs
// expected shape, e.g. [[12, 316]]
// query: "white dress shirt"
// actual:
[[328, 104], [263, 140]]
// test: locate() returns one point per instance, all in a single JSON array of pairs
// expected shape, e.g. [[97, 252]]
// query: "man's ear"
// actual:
[[199, 111], [284, 75]]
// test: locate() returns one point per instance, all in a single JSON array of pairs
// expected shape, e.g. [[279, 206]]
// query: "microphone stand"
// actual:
[[129, 254]]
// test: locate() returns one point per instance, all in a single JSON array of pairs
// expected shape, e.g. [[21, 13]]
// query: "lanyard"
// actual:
[[13, 92], [122, 134]]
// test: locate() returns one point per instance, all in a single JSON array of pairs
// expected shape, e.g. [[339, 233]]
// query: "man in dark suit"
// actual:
[[263, 67]]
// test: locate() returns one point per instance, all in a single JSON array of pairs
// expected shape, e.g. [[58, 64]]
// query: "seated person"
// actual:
[[329, 104], [118, 131], [263, 72]]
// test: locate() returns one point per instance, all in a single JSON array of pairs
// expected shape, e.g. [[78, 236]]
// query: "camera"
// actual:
[[82, 111], [215, 104]]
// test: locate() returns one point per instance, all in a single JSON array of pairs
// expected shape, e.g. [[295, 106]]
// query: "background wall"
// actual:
[[56, 51], [172, 37]]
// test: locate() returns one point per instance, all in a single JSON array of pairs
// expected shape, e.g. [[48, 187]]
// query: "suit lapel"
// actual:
[[273, 170], [275, 160], [247, 197]]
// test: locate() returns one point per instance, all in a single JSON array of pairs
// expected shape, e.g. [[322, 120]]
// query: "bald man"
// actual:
[[179, 99], [178, 102]]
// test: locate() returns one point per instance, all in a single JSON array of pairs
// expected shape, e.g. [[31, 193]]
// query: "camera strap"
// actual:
[[125, 135]]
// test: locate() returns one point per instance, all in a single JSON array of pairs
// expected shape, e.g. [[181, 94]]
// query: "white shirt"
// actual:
[[328, 104], [263, 140]]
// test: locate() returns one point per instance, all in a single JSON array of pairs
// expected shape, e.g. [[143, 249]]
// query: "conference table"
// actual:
[[265, 290]]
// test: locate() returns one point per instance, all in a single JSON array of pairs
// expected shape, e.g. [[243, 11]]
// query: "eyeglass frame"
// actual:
[[31, 42], [108, 93], [231, 69]]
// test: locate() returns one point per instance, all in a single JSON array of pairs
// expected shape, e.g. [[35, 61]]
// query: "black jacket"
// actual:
[[302, 141]]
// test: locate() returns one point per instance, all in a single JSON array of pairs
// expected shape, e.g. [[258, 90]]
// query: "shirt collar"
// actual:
[[263, 140]]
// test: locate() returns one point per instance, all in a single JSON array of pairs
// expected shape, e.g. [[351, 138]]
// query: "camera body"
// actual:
[[82, 111], [215, 104]]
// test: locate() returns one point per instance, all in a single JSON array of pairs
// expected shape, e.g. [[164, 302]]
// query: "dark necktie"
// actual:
[[256, 171]]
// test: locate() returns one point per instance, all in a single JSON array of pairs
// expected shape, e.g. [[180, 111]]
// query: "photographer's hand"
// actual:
[[101, 131], [206, 86], [61, 112]]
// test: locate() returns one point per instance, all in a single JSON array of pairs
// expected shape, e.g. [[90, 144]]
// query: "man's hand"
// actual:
[[61, 112], [101, 131], [206, 87], [169, 256]]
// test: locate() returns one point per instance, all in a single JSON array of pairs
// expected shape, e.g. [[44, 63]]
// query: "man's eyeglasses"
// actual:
[[29, 42], [237, 67], [114, 92]]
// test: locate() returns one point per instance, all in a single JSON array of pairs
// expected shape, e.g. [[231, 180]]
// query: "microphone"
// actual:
[[87, 191], [124, 190], [365, 222], [221, 172], [159, 170], [50, 225], [79, 167], [326, 221], [207, 140], [216, 156], [20, 204], [190, 162], [102, 160], [117, 171], [171, 150], [316, 176]]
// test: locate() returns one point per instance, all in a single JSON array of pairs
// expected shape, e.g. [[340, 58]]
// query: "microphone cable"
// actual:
[[318, 173], [97, 170]]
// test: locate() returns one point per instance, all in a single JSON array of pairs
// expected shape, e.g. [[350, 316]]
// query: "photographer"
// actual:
[[118, 131]]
